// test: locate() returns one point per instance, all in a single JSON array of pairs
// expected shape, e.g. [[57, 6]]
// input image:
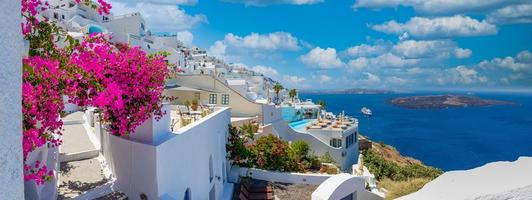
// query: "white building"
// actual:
[[156, 162]]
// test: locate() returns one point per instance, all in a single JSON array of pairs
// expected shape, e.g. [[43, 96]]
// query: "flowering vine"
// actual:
[[124, 83]]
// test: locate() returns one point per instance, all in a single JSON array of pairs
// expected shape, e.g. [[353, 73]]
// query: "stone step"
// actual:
[[74, 118], [76, 144]]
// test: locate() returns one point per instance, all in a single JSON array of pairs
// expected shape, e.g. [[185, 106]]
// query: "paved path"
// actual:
[[76, 142]]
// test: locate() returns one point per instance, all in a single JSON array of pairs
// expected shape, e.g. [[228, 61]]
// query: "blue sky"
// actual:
[[392, 44]]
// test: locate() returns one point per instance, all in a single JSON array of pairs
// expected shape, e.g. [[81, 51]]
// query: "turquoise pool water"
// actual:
[[301, 124], [95, 29]]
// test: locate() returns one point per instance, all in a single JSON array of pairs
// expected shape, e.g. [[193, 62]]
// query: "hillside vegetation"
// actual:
[[399, 175]]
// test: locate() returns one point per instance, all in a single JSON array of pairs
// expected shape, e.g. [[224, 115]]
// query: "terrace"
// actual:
[[341, 124], [182, 115]]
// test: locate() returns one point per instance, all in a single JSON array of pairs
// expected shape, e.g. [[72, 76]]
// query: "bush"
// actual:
[[383, 168], [268, 152], [327, 158], [398, 189], [249, 129], [300, 149], [236, 148]]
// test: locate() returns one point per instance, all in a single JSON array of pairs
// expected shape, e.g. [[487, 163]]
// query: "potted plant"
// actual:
[[194, 104]]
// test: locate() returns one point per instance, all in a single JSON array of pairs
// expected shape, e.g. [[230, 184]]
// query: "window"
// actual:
[[349, 140], [188, 195], [337, 143], [197, 96], [211, 170], [225, 99], [213, 99]]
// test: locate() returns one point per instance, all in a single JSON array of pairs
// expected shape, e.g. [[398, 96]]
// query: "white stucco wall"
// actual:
[[183, 161], [271, 114], [279, 177], [341, 185], [11, 45], [167, 166]]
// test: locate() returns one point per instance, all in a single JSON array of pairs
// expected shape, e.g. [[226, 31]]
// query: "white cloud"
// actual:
[[267, 71], [435, 49], [186, 37], [462, 53], [394, 80], [521, 13], [161, 17], [367, 50], [218, 49], [387, 60], [437, 7], [524, 57], [371, 78], [322, 58], [358, 63], [522, 62], [270, 2], [271, 41], [324, 78], [460, 75], [391, 60], [294, 80], [234, 48], [440, 27]]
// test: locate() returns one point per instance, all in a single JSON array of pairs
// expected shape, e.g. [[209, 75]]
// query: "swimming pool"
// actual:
[[301, 124], [92, 28]]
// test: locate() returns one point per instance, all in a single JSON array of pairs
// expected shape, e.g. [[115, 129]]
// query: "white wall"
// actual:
[[169, 166], [133, 164], [183, 161], [340, 186], [11, 45], [280, 177], [130, 23], [271, 114]]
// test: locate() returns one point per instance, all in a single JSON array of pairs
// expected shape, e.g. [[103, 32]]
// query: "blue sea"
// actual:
[[450, 139]]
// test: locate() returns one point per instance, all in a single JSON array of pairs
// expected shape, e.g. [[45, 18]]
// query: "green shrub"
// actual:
[[267, 152], [272, 153], [236, 148], [327, 158], [249, 129], [398, 189], [300, 149], [383, 168]]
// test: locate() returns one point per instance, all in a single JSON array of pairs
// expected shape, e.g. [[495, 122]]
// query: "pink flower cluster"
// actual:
[[30, 10], [41, 106], [124, 83], [39, 173], [133, 82]]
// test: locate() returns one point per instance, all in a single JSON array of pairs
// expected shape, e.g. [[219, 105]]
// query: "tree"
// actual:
[[322, 104], [277, 88], [292, 93]]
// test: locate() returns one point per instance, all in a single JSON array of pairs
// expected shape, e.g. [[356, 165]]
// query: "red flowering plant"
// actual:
[[124, 83]]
